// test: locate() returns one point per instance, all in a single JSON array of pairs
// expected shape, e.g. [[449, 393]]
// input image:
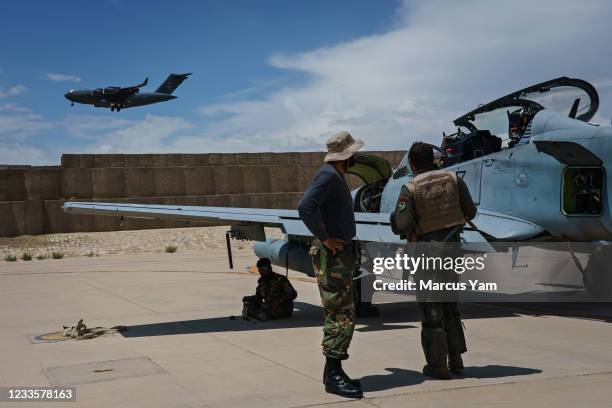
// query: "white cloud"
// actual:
[[18, 125], [152, 134], [92, 126], [17, 153], [12, 91], [62, 77], [439, 61], [13, 107]]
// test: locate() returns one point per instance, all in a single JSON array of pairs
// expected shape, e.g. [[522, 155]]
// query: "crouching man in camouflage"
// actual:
[[431, 210], [327, 210], [273, 298]]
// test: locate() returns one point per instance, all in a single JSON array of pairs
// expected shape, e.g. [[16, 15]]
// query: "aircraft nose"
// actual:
[[68, 95]]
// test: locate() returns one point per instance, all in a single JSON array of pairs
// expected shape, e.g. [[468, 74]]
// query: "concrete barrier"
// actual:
[[139, 182], [116, 160], [108, 182], [86, 161], [131, 160], [70, 160], [76, 183], [18, 215], [174, 160], [101, 160], [199, 180], [31, 197], [43, 183], [12, 185], [206, 159], [305, 174], [170, 181], [151, 160], [228, 179], [6, 224], [55, 219], [283, 178], [34, 217]]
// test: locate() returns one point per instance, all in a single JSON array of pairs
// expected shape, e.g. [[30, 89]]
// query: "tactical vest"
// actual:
[[436, 197]]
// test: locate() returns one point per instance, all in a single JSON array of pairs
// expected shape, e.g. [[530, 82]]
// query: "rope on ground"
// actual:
[[82, 332]]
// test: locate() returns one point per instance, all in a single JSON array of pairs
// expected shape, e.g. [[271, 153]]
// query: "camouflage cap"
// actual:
[[341, 146]]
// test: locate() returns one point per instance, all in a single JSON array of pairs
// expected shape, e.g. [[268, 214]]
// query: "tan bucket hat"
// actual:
[[341, 146]]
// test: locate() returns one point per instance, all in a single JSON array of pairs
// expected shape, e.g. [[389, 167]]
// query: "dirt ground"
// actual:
[[121, 242]]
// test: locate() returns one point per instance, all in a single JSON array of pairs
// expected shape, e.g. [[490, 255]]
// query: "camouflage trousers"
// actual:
[[335, 278]]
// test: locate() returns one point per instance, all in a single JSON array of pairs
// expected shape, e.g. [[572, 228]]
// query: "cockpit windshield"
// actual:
[[573, 97], [481, 131]]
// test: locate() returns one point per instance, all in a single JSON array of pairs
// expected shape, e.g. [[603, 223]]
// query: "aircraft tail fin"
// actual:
[[171, 83]]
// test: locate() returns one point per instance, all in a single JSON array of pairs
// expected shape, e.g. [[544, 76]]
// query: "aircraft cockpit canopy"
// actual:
[[481, 131]]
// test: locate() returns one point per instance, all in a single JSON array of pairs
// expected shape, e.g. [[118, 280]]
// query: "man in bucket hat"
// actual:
[[327, 210]]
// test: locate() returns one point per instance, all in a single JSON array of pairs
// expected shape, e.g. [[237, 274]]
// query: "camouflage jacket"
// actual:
[[276, 292]]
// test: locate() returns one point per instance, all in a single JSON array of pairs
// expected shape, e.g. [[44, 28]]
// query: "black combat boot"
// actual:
[[337, 382], [436, 353], [455, 364], [336, 362], [455, 338]]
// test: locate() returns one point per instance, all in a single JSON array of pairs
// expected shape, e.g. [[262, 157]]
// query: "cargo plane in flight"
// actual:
[[117, 98]]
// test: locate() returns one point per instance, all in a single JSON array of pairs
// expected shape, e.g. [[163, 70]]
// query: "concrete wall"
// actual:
[[31, 197]]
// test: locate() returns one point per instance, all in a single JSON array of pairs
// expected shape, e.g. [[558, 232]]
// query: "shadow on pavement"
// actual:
[[394, 316], [304, 315], [497, 371], [398, 377]]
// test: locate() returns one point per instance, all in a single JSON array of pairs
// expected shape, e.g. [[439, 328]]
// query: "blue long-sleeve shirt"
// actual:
[[326, 208]]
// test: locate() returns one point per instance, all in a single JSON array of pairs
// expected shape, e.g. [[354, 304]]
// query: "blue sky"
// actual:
[[278, 75]]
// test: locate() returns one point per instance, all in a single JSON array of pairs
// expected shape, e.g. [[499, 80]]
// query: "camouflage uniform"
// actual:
[[335, 279], [441, 327], [273, 298]]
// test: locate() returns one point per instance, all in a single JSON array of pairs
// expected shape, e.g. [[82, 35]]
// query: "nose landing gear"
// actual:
[[597, 277]]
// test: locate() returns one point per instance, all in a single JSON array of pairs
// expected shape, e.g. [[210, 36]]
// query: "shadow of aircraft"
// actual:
[[394, 316], [304, 315]]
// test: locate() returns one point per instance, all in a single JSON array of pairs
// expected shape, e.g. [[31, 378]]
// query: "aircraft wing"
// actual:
[[131, 90], [373, 227]]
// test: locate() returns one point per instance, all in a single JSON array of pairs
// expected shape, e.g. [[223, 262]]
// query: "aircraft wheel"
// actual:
[[597, 276]]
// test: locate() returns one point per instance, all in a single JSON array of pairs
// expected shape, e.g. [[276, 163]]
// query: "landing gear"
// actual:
[[71, 103], [597, 276]]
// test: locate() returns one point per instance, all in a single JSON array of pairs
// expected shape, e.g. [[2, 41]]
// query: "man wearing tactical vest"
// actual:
[[431, 210]]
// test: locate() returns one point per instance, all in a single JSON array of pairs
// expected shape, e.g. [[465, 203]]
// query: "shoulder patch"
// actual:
[[401, 205]]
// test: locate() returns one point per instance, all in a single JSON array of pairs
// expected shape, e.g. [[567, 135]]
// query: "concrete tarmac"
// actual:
[[182, 349]]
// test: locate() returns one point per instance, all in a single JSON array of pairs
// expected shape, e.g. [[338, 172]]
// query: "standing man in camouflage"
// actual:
[[431, 210], [327, 210]]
